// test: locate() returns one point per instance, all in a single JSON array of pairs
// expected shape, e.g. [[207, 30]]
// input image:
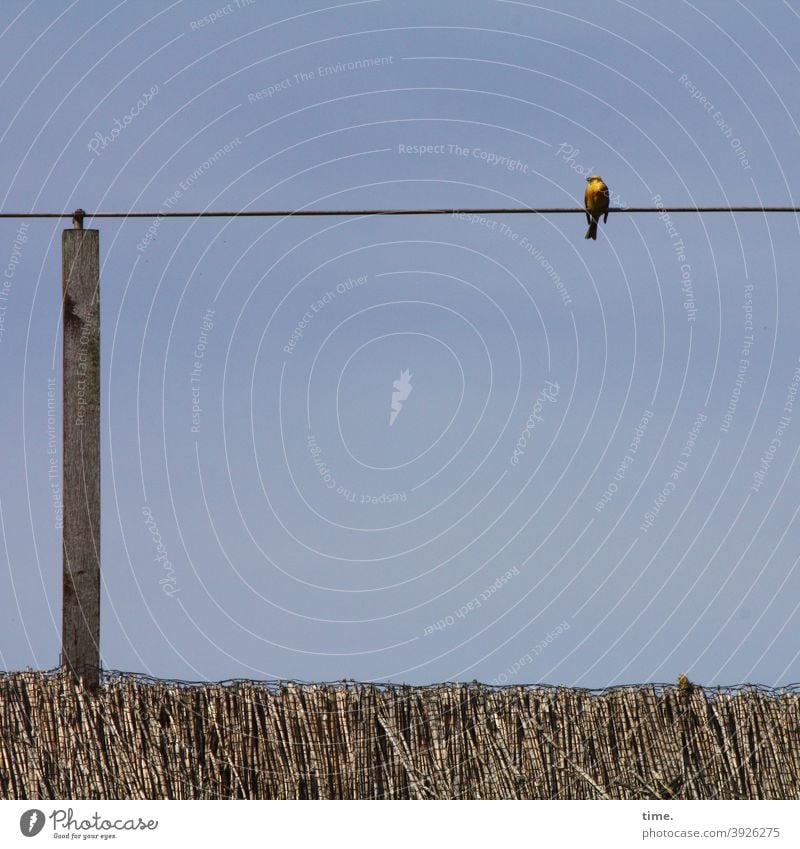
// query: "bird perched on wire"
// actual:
[[596, 203]]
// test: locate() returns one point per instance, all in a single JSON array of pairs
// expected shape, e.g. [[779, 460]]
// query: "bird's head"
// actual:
[[593, 178]]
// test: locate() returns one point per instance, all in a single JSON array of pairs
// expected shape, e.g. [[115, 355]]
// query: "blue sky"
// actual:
[[591, 474]]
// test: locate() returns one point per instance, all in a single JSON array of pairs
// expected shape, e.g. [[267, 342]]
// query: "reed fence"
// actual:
[[140, 738]]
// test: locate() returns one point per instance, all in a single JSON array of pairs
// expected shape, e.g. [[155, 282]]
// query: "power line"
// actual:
[[285, 213]]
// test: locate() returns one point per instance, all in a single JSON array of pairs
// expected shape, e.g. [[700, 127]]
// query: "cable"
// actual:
[[276, 213]]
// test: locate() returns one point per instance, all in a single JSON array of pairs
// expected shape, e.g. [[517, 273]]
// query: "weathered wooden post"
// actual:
[[80, 635]]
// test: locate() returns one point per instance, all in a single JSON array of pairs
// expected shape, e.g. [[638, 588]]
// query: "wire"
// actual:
[[279, 213]]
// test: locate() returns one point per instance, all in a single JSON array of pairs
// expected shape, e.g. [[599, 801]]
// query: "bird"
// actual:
[[596, 203], [684, 684]]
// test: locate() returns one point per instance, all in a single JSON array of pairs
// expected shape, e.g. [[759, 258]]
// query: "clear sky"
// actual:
[[421, 448]]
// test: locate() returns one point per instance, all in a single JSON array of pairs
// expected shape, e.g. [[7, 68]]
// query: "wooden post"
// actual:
[[80, 635]]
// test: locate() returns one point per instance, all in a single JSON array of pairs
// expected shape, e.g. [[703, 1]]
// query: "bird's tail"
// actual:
[[591, 233]]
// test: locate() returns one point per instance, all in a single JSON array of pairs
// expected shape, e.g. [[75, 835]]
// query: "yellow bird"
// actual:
[[596, 203]]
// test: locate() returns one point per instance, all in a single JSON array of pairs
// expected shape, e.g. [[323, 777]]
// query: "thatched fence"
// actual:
[[137, 738]]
